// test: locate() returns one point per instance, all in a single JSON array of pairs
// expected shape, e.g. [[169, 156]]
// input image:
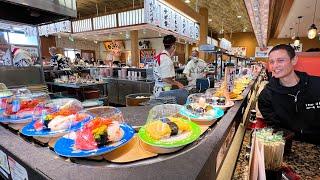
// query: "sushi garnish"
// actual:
[[97, 133]]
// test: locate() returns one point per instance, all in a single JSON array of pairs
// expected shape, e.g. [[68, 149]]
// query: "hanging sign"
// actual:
[[161, 15]]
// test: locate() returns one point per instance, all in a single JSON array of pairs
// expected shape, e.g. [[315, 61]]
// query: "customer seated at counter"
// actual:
[[291, 99], [163, 71]]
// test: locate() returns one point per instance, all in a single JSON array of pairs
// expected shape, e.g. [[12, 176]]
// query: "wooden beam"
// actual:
[[203, 29], [134, 48], [280, 13]]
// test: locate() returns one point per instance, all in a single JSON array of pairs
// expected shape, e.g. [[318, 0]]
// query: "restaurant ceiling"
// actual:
[[224, 14], [89, 7], [300, 8]]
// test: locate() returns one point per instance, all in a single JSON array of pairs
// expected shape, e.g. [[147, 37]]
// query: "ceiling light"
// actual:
[[239, 16], [312, 32], [296, 41], [96, 42], [120, 32], [144, 31], [210, 20], [187, 1]]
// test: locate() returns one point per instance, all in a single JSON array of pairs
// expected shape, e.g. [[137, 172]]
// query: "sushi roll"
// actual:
[[221, 101], [160, 130]]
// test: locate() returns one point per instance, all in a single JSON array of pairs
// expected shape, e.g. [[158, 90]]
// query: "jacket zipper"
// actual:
[[295, 99]]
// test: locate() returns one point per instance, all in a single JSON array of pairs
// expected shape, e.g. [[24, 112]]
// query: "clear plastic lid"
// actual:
[[164, 122], [198, 104], [5, 93], [101, 130], [110, 112], [58, 114], [23, 102]]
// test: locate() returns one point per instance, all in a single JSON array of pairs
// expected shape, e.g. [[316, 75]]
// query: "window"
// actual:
[[71, 53], [21, 39]]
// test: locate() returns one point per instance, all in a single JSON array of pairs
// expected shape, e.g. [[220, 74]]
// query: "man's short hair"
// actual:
[[168, 41], [289, 49]]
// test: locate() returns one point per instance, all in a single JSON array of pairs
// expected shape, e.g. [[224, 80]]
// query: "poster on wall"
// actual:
[[240, 51], [147, 55], [297, 48], [114, 46], [32, 50], [263, 52]]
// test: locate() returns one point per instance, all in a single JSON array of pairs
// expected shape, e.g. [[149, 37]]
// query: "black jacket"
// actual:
[[293, 108]]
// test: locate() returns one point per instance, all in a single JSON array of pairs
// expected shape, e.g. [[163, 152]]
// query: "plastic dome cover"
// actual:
[[103, 129], [23, 102], [198, 104], [5, 95], [56, 112], [164, 122]]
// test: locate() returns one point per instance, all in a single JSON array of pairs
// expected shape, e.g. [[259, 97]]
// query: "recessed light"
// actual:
[[210, 20], [239, 16], [187, 1], [120, 33]]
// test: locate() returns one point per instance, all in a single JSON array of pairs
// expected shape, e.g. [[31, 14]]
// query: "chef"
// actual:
[[163, 71]]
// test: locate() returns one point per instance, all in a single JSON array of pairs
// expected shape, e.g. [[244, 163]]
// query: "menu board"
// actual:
[[159, 14], [230, 73]]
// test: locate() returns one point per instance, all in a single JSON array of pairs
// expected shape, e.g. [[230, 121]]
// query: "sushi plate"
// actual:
[[65, 145], [227, 105], [29, 129], [172, 142], [238, 98], [16, 120], [214, 114]]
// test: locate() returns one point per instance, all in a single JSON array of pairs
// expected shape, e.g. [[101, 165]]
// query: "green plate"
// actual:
[[193, 135]]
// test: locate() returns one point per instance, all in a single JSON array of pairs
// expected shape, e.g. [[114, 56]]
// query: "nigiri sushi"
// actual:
[[98, 133]]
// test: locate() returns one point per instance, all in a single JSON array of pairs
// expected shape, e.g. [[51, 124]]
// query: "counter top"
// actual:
[[303, 159], [129, 79], [195, 161]]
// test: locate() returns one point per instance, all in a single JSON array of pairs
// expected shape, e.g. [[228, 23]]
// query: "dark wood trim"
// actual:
[[280, 13]]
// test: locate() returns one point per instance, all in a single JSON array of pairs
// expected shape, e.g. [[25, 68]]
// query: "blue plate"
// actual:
[[65, 146], [29, 130], [215, 114], [16, 120]]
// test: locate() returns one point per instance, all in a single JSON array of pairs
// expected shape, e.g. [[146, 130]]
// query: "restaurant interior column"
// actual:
[[203, 29], [134, 48]]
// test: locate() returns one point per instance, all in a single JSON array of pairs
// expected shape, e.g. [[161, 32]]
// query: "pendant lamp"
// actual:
[[312, 32], [297, 39]]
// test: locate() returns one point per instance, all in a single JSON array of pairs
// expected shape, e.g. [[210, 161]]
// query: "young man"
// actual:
[[163, 70], [195, 69], [291, 100]]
